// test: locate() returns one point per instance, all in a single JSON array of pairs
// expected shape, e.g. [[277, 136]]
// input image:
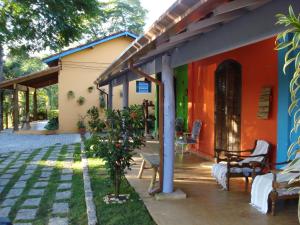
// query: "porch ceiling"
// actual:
[[35, 80], [181, 23]]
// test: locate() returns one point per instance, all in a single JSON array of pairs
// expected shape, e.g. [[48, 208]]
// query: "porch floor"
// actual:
[[206, 203]]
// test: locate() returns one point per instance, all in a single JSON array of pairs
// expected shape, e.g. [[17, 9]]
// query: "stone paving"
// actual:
[[21, 142], [12, 164]]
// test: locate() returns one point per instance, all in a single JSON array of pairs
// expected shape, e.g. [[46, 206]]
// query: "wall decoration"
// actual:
[[70, 94], [81, 100], [90, 89], [264, 103]]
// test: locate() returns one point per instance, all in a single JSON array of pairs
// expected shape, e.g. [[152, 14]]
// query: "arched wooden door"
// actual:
[[228, 105]]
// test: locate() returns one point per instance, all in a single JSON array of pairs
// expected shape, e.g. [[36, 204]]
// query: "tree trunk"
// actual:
[[1, 91], [117, 181]]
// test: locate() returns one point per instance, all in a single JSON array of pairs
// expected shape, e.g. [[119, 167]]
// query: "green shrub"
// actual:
[[52, 114], [52, 124], [42, 115], [96, 125], [116, 147]]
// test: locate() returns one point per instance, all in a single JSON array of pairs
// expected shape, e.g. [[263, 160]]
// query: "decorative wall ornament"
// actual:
[[264, 103], [90, 89], [70, 94], [81, 100]]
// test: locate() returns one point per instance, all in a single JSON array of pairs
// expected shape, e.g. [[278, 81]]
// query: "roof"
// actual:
[[57, 56], [36, 80], [184, 20]]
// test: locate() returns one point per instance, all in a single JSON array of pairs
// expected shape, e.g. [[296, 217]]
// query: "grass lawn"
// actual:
[[133, 212]]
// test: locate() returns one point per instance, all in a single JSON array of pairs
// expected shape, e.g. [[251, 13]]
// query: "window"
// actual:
[[143, 87]]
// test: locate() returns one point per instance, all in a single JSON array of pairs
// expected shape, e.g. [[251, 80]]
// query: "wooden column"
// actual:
[[125, 92], [169, 124], [1, 109], [110, 96], [1, 91], [27, 103], [16, 110], [35, 106]]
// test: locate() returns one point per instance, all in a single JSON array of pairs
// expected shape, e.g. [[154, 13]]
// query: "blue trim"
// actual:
[[82, 47]]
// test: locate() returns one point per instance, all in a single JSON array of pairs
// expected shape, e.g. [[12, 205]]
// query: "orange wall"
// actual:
[[259, 69]]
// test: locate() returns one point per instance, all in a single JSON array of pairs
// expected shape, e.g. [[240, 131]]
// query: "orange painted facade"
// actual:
[[259, 69]]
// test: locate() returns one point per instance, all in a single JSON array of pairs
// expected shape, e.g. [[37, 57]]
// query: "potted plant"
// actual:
[[90, 89], [71, 94], [81, 125], [179, 126], [81, 100]]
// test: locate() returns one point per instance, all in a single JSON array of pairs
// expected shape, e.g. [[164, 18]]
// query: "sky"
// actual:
[[155, 9]]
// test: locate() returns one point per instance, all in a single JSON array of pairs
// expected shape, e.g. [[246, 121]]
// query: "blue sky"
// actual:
[[155, 9]]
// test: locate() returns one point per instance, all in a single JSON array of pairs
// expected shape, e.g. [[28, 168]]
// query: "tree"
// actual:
[[116, 146], [290, 41], [116, 16], [21, 64], [37, 24]]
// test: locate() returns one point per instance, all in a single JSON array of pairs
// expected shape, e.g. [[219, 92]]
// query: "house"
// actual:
[[227, 74], [75, 70]]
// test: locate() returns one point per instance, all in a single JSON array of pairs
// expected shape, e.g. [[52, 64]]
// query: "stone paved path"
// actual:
[[16, 169], [61, 208], [19, 142]]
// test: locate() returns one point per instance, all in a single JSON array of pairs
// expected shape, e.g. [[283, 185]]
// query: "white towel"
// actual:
[[219, 170], [262, 187]]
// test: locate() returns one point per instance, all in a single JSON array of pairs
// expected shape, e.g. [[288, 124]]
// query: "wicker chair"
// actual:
[[231, 164]]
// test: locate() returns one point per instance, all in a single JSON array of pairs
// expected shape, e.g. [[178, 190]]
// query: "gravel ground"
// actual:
[[19, 142]]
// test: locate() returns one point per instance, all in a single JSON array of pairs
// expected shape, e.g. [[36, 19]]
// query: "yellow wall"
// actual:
[[79, 71], [133, 96]]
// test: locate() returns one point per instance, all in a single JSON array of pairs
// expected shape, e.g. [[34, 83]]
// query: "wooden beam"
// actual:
[[238, 4], [29, 77], [222, 18], [195, 29], [16, 110], [21, 87]]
